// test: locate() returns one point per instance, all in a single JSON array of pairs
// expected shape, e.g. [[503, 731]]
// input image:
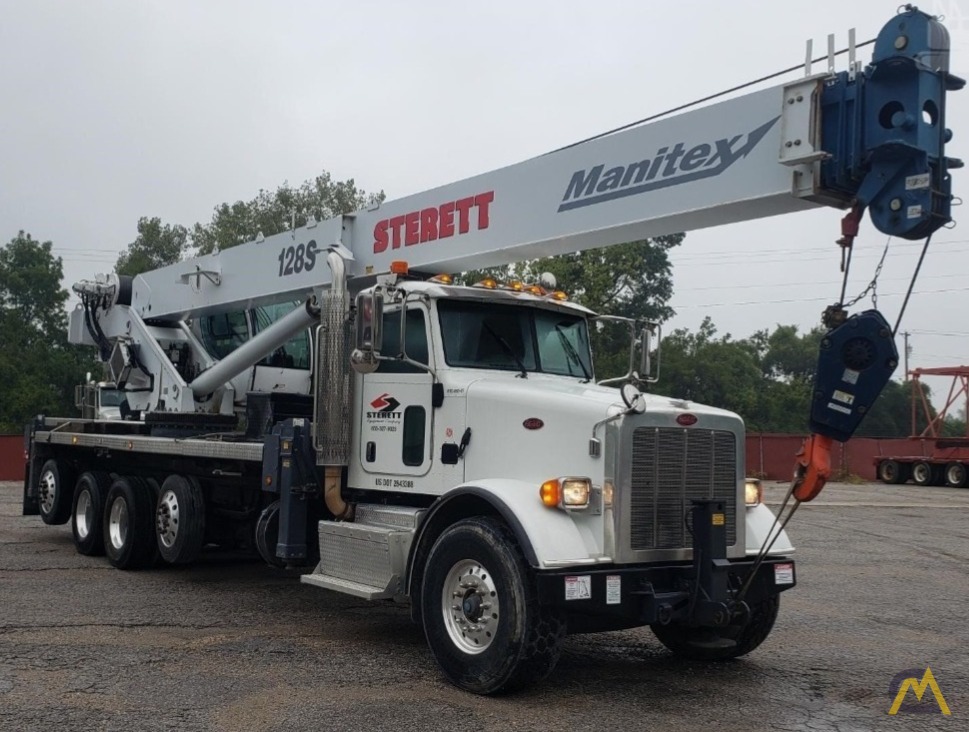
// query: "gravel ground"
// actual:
[[230, 644]]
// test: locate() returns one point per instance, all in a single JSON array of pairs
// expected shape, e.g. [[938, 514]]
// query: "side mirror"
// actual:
[[645, 355], [369, 336]]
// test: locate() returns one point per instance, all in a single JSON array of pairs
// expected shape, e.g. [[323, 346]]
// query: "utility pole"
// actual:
[[908, 352]]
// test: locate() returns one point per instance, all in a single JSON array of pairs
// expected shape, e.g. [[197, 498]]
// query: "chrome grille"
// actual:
[[671, 467]]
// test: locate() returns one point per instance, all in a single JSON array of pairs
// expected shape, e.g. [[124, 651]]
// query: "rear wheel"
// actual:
[[892, 472], [702, 644], [956, 475], [180, 519], [924, 473], [483, 622], [88, 513], [55, 492], [128, 535]]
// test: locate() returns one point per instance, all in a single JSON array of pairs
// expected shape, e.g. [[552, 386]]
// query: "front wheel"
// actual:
[[703, 644], [482, 620]]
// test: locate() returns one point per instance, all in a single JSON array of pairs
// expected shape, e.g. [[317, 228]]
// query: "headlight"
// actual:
[[753, 492], [568, 493]]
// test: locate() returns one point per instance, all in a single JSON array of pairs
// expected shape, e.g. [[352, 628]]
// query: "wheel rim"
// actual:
[[921, 473], [955, 474], [84, 514], [47, 489], [470, 605], [889, 471], [118, 523], [166, 519]]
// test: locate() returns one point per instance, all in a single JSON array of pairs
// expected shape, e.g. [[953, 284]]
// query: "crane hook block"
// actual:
[[813, 467], [855, 362]]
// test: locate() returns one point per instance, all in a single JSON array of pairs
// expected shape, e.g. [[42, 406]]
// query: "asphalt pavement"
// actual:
[[230, 644]]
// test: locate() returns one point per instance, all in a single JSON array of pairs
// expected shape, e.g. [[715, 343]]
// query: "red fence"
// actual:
[[768, 456], [772, 456], [11, 457]]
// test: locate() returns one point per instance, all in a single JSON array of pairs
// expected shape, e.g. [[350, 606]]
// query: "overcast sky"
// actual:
[[116, 110]]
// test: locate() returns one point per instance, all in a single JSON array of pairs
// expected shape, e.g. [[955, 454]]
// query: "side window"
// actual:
[[414, 425], [224, 333], [295, 353], [415, 342]]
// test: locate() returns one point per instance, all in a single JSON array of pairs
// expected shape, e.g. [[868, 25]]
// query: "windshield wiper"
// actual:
[[507, 349], [572, 353]]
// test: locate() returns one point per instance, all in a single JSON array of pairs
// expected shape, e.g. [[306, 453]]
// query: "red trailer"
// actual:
[[948, 463]]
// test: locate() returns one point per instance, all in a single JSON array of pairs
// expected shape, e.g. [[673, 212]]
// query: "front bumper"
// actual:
[[626, 596]]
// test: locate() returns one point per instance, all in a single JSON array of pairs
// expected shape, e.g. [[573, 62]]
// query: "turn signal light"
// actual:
[[550, 493], [399, 267]]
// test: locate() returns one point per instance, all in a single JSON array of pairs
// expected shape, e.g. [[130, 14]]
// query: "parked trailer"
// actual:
[[948, 463]]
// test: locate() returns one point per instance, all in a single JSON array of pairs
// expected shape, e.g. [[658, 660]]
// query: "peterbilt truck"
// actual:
[[454, 449]]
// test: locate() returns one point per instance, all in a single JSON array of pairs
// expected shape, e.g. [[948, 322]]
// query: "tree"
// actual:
[[156, 245], [38, 367], [272, 212]]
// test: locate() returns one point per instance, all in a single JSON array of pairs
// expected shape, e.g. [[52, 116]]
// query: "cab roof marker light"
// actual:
[[558, 295], [488, 283], [442, 279]]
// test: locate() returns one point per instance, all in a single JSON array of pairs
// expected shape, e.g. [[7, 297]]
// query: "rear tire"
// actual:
[[923, 473], [55, 492], [88, 513], [128, 534], [685, 641], [483, 622], [956, 475], [891, 472], [179, 520]]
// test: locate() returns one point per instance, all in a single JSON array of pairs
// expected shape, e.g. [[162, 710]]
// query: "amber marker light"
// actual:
[[559, 295], [550, 493], [442, 279], [489, 283], [399, 267]]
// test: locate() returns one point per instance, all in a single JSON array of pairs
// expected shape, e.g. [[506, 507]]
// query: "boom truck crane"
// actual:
[[455, 450]]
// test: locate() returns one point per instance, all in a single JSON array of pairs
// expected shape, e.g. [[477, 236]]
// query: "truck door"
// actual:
[[396, 408]]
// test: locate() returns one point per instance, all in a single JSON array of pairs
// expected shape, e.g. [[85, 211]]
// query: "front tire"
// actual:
[[128, 534], [482, 618], [693, 643], [55, 492]]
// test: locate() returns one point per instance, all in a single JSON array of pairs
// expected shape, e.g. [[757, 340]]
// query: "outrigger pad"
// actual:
[[855, 363]]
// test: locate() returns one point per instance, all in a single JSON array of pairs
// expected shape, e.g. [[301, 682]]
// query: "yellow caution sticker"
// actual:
[[718, 519]]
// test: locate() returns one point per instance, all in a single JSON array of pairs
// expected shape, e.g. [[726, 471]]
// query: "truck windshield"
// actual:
[[111, 397], [512, 337]]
